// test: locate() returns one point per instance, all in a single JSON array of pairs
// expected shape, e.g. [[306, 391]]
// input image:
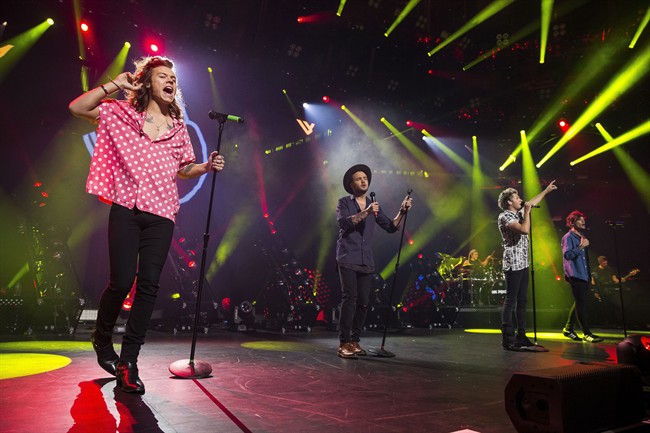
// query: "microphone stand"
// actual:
[[613, 225], [381, 352], [532, 286], [532, 278], [191, 368]]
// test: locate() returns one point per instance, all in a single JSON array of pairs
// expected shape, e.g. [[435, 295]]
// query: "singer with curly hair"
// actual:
[[142, 148]]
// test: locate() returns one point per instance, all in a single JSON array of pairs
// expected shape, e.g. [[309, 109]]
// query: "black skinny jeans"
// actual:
[[355, 288], [138, 243], [578, 310], [516, 299]]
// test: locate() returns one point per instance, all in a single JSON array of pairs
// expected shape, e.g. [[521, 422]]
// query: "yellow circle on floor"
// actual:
[[26, 364], [279, 346]]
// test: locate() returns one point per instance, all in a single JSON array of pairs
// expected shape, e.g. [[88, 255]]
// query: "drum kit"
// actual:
[[472, 284]]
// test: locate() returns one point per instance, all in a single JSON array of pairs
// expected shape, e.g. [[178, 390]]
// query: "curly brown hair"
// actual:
[[143, 72]]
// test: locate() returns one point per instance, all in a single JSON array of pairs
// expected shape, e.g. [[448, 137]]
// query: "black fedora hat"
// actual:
[[348, 175]]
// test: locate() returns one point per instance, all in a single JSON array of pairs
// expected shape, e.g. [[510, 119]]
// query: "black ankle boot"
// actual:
[[127, 378], [508, 338], [106, 356]]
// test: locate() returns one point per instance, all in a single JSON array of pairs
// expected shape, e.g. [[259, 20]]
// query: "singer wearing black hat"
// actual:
[[575, 259], [514, 225], [354, 258]]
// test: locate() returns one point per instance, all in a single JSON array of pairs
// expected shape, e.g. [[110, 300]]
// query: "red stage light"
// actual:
[[326, 99], [563, 124], [301, 19], [409, 123], [84, 26], [154, 48]]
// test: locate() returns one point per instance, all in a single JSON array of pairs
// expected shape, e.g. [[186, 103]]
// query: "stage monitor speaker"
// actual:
[[578, 398]]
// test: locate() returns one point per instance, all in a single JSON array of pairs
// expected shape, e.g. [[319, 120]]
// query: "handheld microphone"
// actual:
[[222, 118], [524, 204], [372, 200], [615, 223]]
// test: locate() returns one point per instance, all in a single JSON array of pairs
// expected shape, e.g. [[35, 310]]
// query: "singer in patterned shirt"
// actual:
[[142, 148], [514, 226]]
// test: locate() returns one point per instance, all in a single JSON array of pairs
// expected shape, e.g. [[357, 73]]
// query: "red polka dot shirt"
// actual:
[[130, 169]]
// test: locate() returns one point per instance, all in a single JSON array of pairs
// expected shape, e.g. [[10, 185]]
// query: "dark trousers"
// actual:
[[138, 243], [516, 299], [580, 290], [355, 288]]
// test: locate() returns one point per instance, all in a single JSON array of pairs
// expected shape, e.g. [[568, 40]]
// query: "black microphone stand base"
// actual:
[[381, 352], [535, 348], [186, 369]]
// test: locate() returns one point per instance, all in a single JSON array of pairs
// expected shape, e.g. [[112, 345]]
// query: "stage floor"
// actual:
[[440, 381]]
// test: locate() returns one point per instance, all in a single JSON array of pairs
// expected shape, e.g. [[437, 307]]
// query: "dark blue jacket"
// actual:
[[354, 244], [575, 258]]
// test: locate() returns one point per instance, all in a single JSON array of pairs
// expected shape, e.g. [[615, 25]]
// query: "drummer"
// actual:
[[475, 272], [474, 263]]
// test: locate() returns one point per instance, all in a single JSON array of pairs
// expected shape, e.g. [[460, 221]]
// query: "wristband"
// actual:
[[104, 89]]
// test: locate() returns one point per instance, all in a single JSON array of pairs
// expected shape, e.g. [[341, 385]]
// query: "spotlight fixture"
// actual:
[[563, 125], [294, 50], [502, 39], [326, 99], [84, 26]]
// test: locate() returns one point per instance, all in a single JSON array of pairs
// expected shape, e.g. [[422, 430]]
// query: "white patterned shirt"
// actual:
[[130, 169], [515, 245]]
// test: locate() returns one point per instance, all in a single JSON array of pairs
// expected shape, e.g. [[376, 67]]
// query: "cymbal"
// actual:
[[453, 261]]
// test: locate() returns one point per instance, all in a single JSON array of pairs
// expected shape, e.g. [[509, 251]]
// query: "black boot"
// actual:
[[127, 378], [106, 356], [508, 337]]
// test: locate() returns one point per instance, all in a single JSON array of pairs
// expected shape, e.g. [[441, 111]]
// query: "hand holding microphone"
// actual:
[[374, 204]]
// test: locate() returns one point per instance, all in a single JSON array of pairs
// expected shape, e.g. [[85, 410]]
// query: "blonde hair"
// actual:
[[504, 197]]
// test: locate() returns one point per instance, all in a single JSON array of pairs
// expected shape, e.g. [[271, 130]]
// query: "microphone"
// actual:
[[372, 199], [615, 223], [523, 203], [222, 118]]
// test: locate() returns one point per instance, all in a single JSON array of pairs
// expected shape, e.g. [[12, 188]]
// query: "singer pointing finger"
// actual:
[[357, 214], [514, 226], [142, 147]]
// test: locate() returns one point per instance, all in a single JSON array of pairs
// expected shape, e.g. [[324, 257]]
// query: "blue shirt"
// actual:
[[354, 243], [574, 258]]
